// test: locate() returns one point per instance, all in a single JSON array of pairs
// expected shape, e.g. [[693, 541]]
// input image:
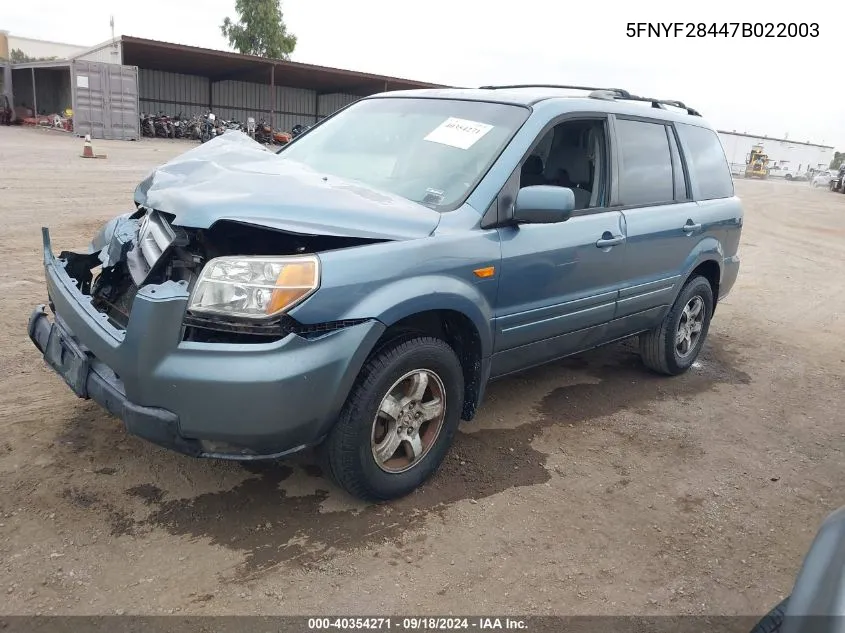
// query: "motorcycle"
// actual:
[[178, 126], [192, 128], [209, 127], [163, 126], [147, 125], [264, 133], [281, 138]]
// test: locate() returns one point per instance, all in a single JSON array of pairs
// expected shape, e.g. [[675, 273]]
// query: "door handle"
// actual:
[[610, 241], [690, 227]]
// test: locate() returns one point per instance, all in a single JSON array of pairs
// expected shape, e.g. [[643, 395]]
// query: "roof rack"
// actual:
[[618, 91], [608, 94], [662, 103]]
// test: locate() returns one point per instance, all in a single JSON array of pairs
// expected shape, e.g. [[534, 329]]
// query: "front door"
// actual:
[[559, 282]]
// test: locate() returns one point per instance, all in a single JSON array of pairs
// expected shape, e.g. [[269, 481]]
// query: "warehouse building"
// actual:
[[794, 157], [109, 85]]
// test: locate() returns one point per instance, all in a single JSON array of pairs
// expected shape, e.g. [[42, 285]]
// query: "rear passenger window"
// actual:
[[706, 160], [645, 163]]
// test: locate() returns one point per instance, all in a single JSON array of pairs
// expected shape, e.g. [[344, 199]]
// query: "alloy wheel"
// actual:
[[690, 326], [409, 420]]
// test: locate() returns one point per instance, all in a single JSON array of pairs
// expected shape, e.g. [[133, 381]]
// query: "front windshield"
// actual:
[[431, 151]]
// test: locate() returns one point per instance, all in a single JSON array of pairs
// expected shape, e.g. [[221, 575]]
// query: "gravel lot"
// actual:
[[585, 487]]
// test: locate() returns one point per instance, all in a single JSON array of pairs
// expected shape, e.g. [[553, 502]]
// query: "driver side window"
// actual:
[[572, 154]]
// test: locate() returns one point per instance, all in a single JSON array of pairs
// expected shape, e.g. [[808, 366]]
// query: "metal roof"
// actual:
[[772, 138], [222, 65], [48, 63]]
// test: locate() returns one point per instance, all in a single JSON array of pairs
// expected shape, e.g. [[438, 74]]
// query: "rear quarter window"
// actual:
[[706, 161]]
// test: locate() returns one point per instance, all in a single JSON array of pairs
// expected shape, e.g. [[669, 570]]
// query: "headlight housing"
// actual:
[[254, 287]]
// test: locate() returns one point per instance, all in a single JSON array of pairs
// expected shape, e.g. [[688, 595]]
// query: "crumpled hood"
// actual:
[[232, 177]]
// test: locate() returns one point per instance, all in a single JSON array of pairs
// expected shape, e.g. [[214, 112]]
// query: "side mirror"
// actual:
[[543, 204]]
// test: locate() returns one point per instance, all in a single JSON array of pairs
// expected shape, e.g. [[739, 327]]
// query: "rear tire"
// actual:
[[672, 347], [361, 432]]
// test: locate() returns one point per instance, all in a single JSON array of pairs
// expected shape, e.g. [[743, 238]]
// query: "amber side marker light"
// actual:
[[484, 273], [294, 282]]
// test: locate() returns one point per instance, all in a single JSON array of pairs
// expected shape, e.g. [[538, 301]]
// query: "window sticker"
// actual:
[[433, 196], [460, 133]]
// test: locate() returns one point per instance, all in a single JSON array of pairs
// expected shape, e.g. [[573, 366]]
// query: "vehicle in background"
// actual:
[[298, 130], [738, 169], [281, 138], [757, 163], [837, 183], [263, 133], [822, 178], [786, 172], [357, 290], [817, 601], [147, 125], [209, 127]]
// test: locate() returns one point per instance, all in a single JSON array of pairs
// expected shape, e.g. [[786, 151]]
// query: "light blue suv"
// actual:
[[357, 290]]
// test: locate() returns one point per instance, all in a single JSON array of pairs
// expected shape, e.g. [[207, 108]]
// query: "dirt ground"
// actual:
[[585, 487]]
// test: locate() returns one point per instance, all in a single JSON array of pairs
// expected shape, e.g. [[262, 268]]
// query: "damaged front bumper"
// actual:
[[235, 401], [90, 378]]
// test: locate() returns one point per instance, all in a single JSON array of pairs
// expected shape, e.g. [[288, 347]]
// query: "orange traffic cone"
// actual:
[[88, 149]]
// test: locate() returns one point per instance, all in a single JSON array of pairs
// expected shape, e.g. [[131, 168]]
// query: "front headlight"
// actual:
[[254, 287]]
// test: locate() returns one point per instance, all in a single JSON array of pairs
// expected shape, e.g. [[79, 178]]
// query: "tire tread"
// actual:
[[654, 351], [773, 621]]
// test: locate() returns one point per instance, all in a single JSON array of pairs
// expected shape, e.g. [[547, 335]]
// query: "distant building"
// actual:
[[795, 156], [37, 49], [109, 85]]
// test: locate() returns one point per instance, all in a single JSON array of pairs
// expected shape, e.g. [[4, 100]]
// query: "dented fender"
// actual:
[[115, 236]]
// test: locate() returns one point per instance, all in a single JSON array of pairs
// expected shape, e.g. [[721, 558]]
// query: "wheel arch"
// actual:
[[705, 260], [458, 331], [445, 306], [711, 270]]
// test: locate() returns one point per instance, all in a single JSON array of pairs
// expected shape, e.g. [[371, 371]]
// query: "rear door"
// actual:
[[663, 223]]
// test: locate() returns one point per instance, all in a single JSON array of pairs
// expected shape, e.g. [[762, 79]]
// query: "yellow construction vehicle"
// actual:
[[757, 163]]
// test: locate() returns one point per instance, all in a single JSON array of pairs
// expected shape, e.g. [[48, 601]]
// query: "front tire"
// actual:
[[672, 347], [399, 420]]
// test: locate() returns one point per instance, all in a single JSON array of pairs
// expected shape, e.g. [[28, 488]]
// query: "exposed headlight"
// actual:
[[254, 287]]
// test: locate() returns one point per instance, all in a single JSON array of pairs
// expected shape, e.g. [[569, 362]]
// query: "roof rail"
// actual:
[[680, 104], [618, 91], [655, 103], [607, 94]]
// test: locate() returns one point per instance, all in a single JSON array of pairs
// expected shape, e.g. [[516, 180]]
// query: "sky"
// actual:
[[767, 86]]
